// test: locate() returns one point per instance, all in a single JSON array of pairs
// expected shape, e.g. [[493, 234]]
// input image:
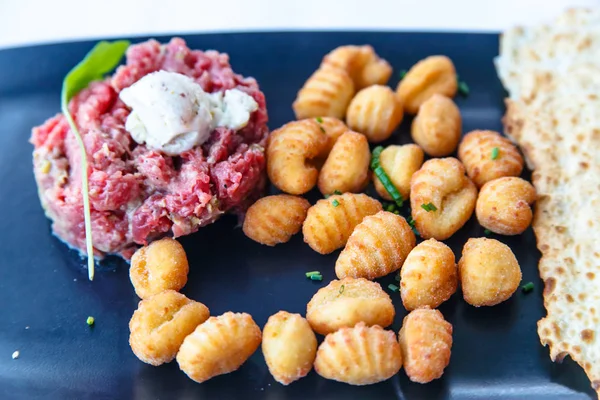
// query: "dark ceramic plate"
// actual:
[[45, 296]]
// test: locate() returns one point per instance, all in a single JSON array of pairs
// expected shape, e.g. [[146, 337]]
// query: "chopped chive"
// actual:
[[393, 287], [463, 88], [428, 207], [390, 207], [528, 287], [322, 129], [495, 153], [90, 321], [342, 289], [384, 178], [397, 277], [487, 232], [319, 120], [337, 192], [316, 277], [335, 203], [402, 74], [397, 212], [311, 273]]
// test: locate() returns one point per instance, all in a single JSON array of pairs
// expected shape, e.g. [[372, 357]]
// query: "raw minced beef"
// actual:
[[136, 193]]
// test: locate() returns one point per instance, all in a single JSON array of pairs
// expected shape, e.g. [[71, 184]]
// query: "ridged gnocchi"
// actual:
[[347, 166], [376, 72], [437, 126], [289, 347], [326, 93], [378, 246], [330, 222], [162, 265], [360, 355], [160, 324], [346, 302], [487, 156], [290, 151], [219, 346], [334, 128], [275, 219], [399, 163], [426, 343], [429, 275], [376, 112], [434, 74], [362, 64], [489, 272], [442, 198], [504, 205]]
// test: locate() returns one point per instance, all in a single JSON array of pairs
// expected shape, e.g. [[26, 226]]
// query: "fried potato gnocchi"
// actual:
[[334, 128], [219, 346], [346, 302], [426, 342], [275, 219], [161, 323], [504, 205], [347, 166], [487, 156], [289, 346], [442, 198], [330, 222], [376, 112], [437, 126], [290, 151], [429, 275], [162, 265], [378, 246], [434, 74], [489, 272], [326, 93], [399, 163], [360, 355], [362, 64]]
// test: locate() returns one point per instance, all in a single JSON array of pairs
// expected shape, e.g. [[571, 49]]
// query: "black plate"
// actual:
[[45, 296]]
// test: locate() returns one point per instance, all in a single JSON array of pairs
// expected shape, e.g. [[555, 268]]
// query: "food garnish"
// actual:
[[393, 288], [335, 203], [384, 178], [463, 88], [90, 321], [429, 207], [495, 153], [311, 273], [528, 287], [102, 59], [316, 277]]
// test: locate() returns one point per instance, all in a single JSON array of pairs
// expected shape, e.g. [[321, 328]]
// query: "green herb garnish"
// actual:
[[342, 289], [463, 88], [390, 207], [428, 207], [311, 273], [337, 192], [487, 232], [102, 59], [393, 287], [319, 120], [90, 321], [528, 287], [316, 277], [384, 178], [397, 277], [495, 153], [411, 222], [335, 203], [322, 129], [402, 74]]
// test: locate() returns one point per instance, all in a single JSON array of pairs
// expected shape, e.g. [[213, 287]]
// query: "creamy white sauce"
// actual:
[[171, 113]]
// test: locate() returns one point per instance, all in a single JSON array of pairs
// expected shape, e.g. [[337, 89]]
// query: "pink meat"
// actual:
[[138, 194]]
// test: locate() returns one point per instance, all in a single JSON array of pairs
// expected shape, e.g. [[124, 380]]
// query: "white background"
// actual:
[[34, 21]]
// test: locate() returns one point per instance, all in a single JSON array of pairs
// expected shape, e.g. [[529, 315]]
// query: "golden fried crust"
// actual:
[[219, 346], [504, 205], [489, 272], [376, 72], [346, 302], [378, 246], [275, 219], [347, 166], [434, 74], [429, 275], [376, 112], [437, 126], [326, 93], [334, 128], [441, 182], [289, 346], [399, 163], [361, 63], [477, 153], [160, 266], [161, 323], [359, 356], [330, 222], [289, 152], [426, 342]]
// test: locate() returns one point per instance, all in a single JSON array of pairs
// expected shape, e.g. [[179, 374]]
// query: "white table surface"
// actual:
[[25, 22]]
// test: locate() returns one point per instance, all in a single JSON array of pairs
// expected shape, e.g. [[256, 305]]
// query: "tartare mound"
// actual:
[[138, 194]]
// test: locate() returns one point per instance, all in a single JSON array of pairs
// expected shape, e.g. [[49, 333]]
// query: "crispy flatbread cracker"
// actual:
[[552, 73]]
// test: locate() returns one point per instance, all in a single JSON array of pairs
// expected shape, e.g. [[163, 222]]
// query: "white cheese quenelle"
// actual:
[[171, 113]]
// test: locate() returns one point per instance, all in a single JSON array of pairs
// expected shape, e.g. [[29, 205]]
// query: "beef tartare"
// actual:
[[138, 192]]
